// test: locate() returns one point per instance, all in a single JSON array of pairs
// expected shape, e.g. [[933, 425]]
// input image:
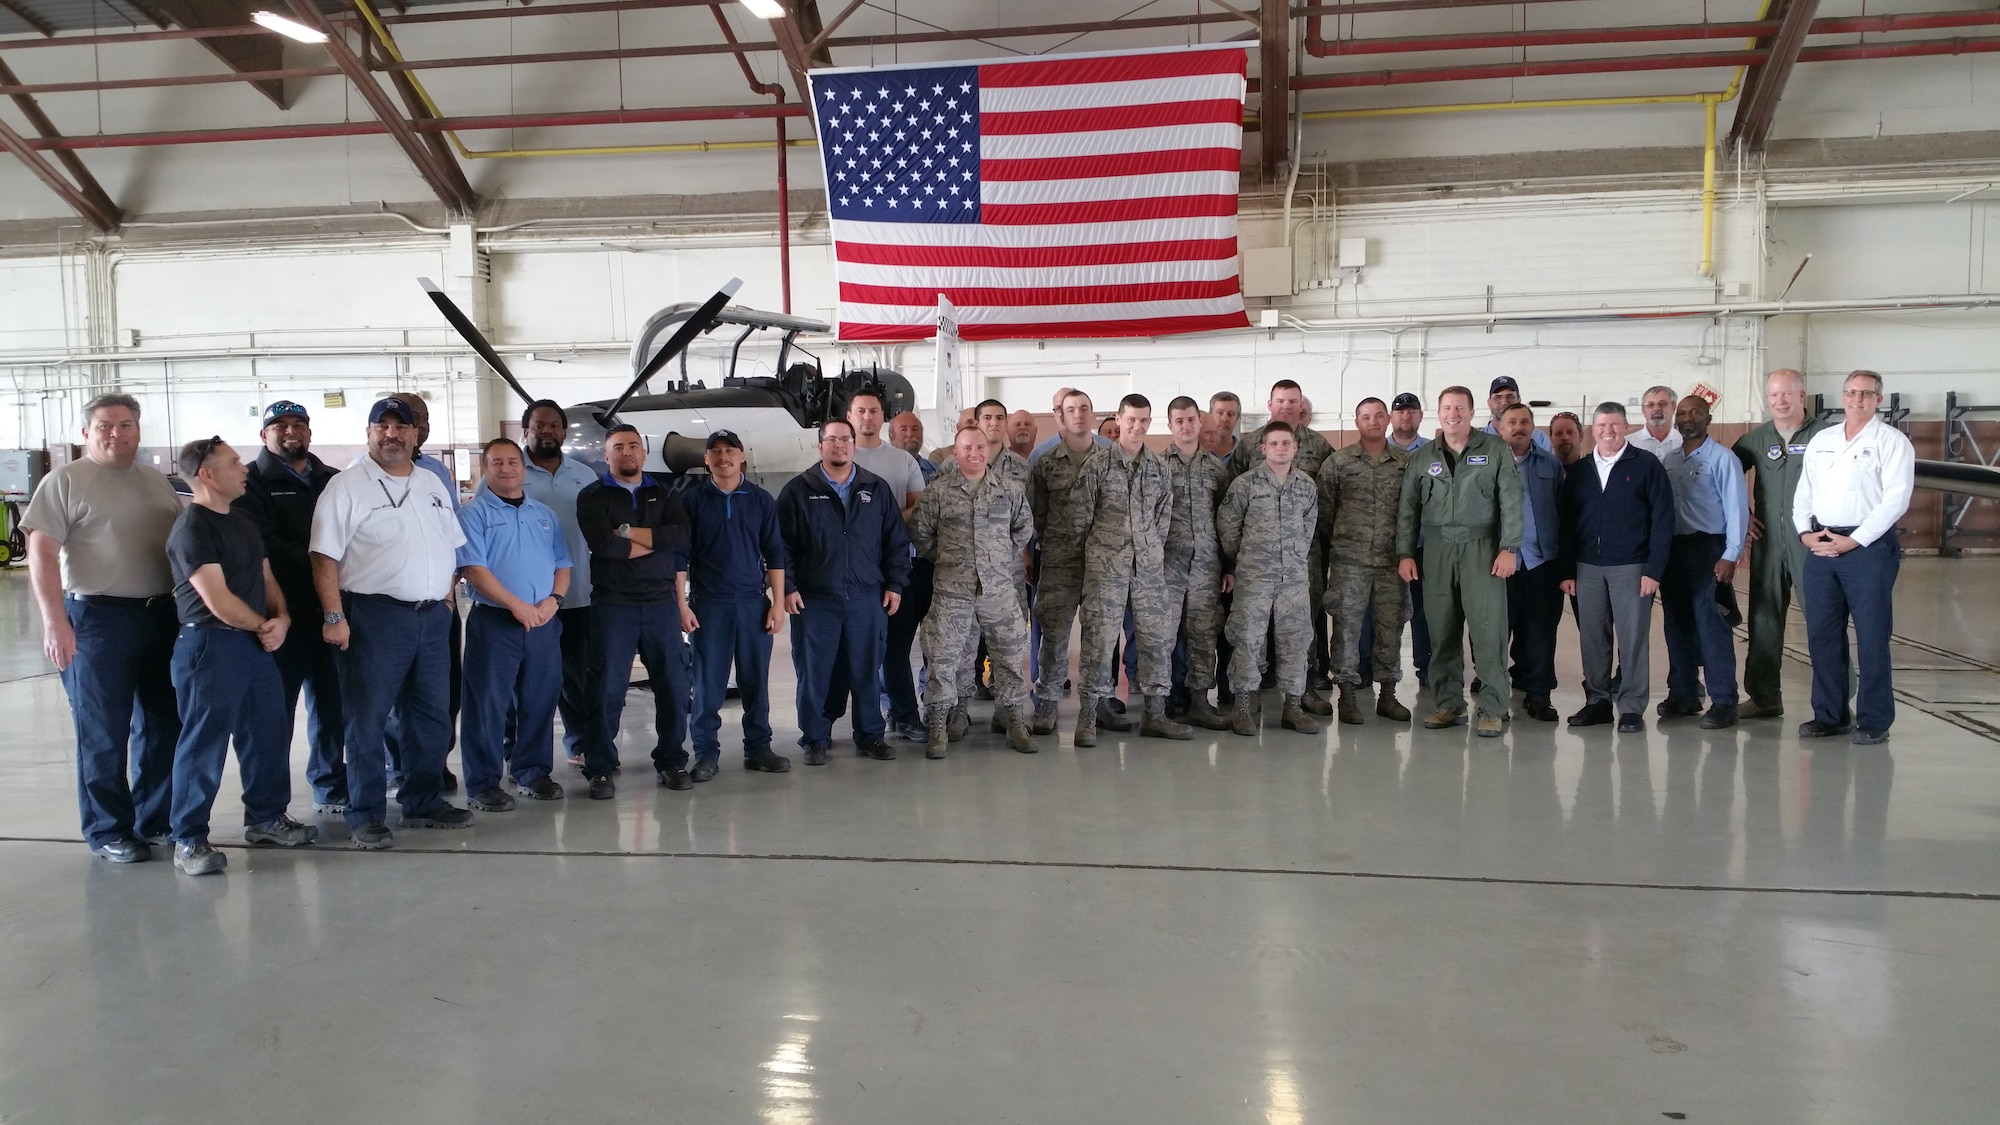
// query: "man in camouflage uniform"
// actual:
[[1777, 451], [1060, 527], [973, 525], [1128, 498], [1465, 492], [1359, 488], [1287, 404], [1193, 564], [991, 418], [1266, 524]]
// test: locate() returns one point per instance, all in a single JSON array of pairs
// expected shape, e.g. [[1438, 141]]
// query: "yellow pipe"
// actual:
[[1707, 268], [1543, 103]]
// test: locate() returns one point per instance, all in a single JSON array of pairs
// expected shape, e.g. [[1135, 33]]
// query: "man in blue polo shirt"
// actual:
[[517, 561], [555, 479], [1711, 514], [736, 579]]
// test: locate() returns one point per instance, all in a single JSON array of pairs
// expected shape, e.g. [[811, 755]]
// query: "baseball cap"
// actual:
[[283, 407], [1504, 383], [394, 406], [1407, 401], [723, 437]]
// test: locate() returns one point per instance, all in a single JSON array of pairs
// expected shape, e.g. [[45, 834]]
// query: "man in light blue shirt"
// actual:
[[1503, 393], [517, 561], [1711, 512], [555, 479], [1534, 591]]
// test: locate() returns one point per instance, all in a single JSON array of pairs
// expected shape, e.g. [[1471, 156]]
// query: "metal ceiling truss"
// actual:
[[1764, 83]]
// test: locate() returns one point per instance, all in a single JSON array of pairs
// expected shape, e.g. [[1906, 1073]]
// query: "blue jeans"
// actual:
[[652, 632], [307, 663], [230, 689], [843, 632], [511, 680], [1700, 644], [1858, 584], [397, 657], [121, 696], [731, 632]]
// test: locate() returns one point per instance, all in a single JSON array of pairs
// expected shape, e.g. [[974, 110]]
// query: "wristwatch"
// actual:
[[559, 599], [333, 618], [623, 531]]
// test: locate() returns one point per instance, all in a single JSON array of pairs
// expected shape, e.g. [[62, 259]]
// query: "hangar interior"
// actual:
[[1376, 923]]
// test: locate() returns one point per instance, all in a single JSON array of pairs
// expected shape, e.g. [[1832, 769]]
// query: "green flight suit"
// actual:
[[1468, 505], [1778, 559]]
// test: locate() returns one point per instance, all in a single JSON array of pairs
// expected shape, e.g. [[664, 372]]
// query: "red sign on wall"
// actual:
[[1707, 394]]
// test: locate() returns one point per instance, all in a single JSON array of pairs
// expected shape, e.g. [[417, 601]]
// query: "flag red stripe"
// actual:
[[1113, 164], [1097, 119], [1113, 68], [1086, 329], [1052, 295], [1106, 210], [1033, 257]]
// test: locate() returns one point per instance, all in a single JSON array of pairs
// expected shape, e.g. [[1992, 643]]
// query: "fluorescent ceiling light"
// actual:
[[290, 29], [765, 9]]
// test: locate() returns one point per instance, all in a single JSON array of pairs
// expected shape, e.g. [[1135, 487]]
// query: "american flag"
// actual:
[[1051, 197]]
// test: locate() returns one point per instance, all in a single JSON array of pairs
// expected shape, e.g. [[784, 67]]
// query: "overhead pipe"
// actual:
[[1320, 47], [776, 92], [447, 124]]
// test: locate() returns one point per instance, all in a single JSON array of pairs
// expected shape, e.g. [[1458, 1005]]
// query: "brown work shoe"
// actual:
[[1243, 719], [1450, 717], [1349, 708], [1313, 703], [1295, 716], [1387, 706]]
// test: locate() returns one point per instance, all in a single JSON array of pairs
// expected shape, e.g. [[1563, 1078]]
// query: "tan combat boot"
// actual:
[[1296, 718], [937, 739], [1110, 718], [1203, 714], [1045, 717], [1157, 725], [1349, 707], [1313, 703], [1243, 720], [1086, 722], [1018, 735], [1387, 706]]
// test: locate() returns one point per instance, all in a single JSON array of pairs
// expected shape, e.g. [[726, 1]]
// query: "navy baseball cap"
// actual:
[[724, 437], [1407, 401], [1504, 383], [394, 406], [283, 407]]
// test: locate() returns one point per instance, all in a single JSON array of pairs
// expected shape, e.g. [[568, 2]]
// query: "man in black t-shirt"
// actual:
[[233, 617]]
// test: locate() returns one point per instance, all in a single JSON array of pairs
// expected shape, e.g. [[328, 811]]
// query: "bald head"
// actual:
[[1785, 396], [1021, 432]]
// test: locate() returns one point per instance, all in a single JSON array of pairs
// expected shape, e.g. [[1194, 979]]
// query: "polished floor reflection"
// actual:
[[1374, 924]]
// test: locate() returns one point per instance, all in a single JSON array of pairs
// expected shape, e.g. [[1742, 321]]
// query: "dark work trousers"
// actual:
[[1534, 609], [455, 663], [650, 631], [578, 702], [307, 663], [844, 633], [512, 678], [1420, 626], [1700, 646], [121, 696], [898, 680], [732, 632], [398, 657], [230, 689], [1857, 584]]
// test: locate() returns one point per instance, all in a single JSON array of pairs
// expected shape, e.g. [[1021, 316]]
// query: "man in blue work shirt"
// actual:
[[638, 543], [1711, 513], [555, 480], [848, 558], [736, 579], [516, 559], [1534, 592]]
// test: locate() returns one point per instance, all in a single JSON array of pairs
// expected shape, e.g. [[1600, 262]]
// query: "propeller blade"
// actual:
[[701, 321], [473, 336]]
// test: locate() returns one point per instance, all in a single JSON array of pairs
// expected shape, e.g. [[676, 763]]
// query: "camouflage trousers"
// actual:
[[951, 634], [1351, 592], [1107, 594], [1195, 603], [1284, 609], [1058, 595]]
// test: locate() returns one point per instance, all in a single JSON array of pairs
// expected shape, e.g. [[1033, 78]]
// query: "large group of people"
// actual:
[[1216, 563]]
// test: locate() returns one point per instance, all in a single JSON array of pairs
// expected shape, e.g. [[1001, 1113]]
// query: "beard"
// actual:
[[545, 447]]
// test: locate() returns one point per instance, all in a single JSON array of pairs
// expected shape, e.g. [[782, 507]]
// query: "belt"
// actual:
[[1701, 535], [123, 603], [1817, 526], [387, 600]]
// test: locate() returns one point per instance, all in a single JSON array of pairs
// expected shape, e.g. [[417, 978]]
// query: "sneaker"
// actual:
[[197, 858], [124, 849], [491, 799], [543, 788], [1762, 709], [443, 816], [1678, 707], [764, 761], [1490, 726], [577, 760], [674, 778], [284, 832], [911, 732], [704, 769], [1445, 717], [602, 788], [879, 750], [334, 803], [1813, 728], [373, 836], [1869, 737]]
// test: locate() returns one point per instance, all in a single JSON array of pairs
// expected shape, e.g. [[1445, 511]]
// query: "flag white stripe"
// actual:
[[1002, 277], [1144, 91], [1061, 234], [1153, 186], [1106, 142], [1039, 314]]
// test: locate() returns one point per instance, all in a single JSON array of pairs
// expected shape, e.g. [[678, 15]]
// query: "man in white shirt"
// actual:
[[1658, 435], [1857, 484], [384, 552]]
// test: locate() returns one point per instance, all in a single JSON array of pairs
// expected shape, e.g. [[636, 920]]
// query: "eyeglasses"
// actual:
[[1568, 415], [838, 439], [205, 446]]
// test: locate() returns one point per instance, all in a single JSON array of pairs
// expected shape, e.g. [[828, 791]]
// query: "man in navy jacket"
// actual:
[[1617, 527], [848, 559]]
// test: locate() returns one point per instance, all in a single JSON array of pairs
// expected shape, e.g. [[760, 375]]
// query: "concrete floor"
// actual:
[[1374, 924]]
